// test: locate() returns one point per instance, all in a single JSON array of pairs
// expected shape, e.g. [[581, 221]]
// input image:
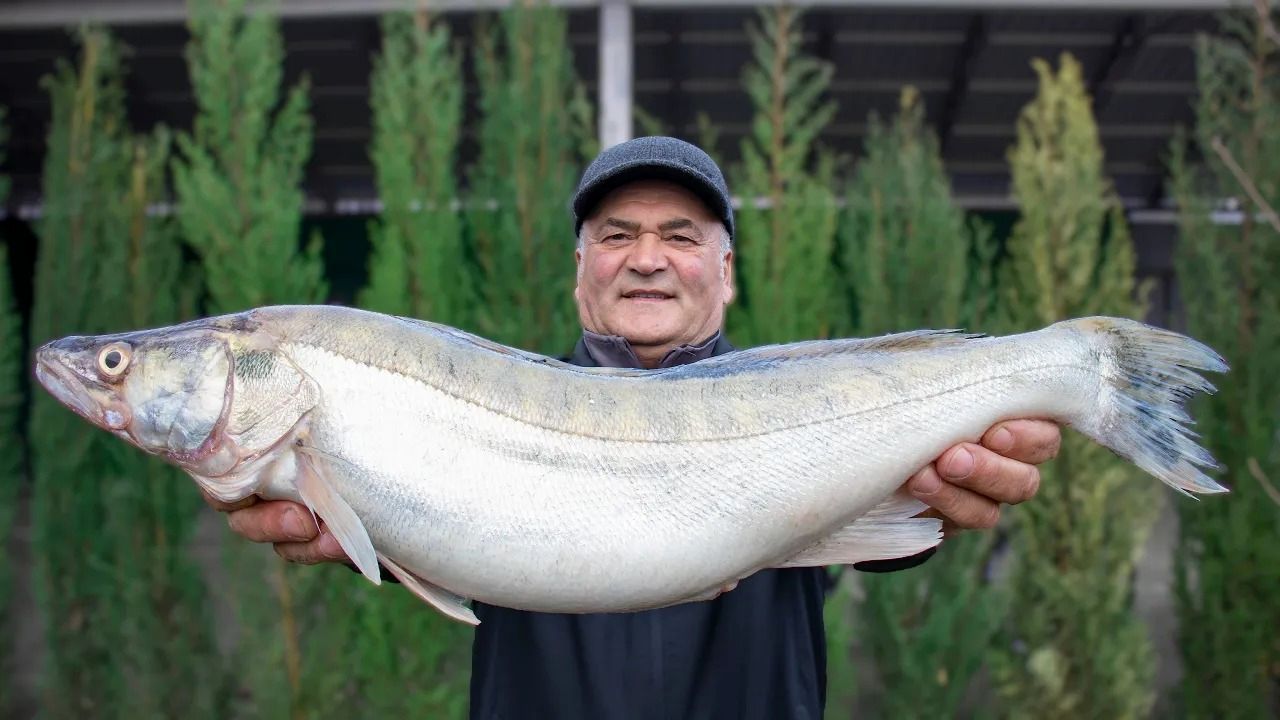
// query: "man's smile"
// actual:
[[646, 295]]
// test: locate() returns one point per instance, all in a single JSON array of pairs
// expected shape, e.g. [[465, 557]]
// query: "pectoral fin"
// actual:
[[439, 598], [321, 497], [888, 531]]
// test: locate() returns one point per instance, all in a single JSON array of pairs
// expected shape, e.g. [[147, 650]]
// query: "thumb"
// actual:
[[221, 506]]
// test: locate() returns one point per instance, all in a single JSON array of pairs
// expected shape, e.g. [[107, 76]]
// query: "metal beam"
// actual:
[[57, 13], [975, 40], [1129, 39], [1038, 5], [61, 13], [617, 54]]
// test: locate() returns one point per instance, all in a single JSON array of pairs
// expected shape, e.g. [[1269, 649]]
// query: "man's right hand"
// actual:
[[288, 526]]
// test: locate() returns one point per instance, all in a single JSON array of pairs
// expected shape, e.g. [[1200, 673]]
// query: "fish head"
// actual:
[[161, 390], [209, 396]]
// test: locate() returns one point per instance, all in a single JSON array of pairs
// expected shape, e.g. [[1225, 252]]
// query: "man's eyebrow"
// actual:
[[627, 225], [676, 224]]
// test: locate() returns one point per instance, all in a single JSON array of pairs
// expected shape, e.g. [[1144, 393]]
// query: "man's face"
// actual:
[[652, 268]]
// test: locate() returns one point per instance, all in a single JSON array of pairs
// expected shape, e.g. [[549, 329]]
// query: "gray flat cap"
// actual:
[[664, 158]]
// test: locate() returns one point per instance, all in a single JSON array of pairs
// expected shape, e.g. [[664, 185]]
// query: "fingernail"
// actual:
[[298, 526], [927, 483], [960, 464], [330, 547], [1001, 440]]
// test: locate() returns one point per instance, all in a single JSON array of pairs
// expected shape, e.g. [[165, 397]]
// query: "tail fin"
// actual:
[[1148, 375]]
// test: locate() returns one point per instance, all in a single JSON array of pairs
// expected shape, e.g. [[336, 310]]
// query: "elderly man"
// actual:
[[655, 274]]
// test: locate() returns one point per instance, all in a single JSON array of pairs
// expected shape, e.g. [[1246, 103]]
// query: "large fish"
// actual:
[[471, 470]]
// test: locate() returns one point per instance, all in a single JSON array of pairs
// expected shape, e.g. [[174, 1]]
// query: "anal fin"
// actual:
[[888, 531], [439, 598], [323, 499]]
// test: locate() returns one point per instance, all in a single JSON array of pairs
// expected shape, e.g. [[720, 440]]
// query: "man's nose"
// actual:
[[648, 254]]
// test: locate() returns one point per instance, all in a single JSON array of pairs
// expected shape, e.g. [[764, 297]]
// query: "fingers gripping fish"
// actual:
[[471, 470]]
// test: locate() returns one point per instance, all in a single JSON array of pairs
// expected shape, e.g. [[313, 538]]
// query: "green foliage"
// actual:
[[83, 169], [1070, 252], [128, 632], [783, 252], [163, 631], [408, 660], [11, 441], [240, 207], [417, 267], [237, 177], [1228, 558], [1072, 646], [910, 257], [535, 137], [913, 261]]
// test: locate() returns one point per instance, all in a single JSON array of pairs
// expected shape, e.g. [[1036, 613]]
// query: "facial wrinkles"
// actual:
[[650, 259]]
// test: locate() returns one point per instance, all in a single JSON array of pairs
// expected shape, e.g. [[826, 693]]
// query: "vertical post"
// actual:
[[616, 51]]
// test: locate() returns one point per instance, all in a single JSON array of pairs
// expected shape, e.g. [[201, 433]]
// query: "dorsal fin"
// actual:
[[464, 338], [919, 340], [896, 342]]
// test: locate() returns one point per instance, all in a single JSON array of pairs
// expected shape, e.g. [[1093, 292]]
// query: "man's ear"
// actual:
[[728, 277], [577, 260]]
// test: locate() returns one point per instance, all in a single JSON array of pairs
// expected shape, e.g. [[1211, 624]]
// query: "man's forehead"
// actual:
[[657, 194], [652, 200]]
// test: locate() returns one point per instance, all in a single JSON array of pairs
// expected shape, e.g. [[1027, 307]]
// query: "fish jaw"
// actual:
[[58, 371]]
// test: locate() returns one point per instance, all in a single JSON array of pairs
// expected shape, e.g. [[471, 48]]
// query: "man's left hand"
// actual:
[[967, 484]]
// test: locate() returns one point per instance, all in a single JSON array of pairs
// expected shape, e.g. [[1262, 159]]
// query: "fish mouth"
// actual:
[[52, 376], [69, 389]]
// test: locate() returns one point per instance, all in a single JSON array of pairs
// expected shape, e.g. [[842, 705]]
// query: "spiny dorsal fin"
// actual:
[[896, 342], [919, 340]]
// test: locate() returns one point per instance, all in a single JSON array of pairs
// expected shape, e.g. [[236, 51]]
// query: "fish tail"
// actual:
[[1148, 374]]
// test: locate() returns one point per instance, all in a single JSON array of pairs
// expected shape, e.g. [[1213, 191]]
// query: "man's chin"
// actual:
[[649, 337]]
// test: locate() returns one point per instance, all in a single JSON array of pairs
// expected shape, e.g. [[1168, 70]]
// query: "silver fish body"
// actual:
[[477, 471]]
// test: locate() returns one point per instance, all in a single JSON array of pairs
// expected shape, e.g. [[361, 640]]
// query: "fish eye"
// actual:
[[113, 359]]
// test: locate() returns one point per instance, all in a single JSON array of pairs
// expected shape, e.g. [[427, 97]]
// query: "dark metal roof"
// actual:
[[971, 64]]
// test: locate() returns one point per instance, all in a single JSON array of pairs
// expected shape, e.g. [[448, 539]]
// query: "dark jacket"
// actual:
[[756, 652]]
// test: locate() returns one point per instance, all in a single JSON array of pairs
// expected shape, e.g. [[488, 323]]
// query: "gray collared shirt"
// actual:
[[616, 351]]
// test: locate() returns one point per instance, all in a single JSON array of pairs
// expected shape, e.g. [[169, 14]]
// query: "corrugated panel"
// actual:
[[689, 62]]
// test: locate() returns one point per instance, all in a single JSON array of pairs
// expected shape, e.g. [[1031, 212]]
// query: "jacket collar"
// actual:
[[596, 350]]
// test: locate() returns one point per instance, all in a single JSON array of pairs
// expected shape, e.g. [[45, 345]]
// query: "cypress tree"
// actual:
[[127, 630], [410, 660], [12, 449], [417, 263], [1227, 562], [1072, 646], [237, 178], [535, 137], [163, 632], [912, 260], [784, 251], [910, 257], [76, 292]]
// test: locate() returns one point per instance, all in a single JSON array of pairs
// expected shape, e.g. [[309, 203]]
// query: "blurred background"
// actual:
[[992, 165]]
